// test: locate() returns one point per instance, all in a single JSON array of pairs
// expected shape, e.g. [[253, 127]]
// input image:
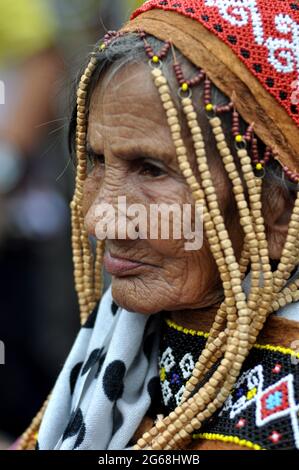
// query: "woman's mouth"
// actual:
[[115, 265]]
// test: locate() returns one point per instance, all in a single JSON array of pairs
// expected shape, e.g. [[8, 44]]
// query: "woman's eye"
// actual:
[[150, 169]]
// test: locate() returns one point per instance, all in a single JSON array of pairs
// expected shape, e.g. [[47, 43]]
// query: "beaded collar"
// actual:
[[263, 409]]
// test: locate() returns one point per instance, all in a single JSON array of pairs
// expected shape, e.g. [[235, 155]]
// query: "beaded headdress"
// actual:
[[249, 49]]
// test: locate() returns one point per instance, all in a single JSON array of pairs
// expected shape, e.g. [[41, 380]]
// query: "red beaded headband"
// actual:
[[186, 85]]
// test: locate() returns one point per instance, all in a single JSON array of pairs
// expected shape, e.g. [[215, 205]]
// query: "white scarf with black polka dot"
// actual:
[[107, 384]]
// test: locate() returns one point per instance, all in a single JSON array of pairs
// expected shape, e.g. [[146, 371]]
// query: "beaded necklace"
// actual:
[[262, 411]]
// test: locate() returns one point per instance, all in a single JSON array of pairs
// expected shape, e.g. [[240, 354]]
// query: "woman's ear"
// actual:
[[278, 203]]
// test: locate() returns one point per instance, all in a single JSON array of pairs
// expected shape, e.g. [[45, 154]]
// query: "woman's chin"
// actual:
[[129, 296]]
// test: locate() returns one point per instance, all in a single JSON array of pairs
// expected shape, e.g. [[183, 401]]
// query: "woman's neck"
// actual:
[[198, 319]]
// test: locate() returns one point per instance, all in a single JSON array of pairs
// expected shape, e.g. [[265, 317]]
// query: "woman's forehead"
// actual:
[[132, 84], [127, 105]]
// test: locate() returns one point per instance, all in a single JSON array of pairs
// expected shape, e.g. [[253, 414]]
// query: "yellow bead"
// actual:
[[259, 166], [155, 59], [102, 46], [239, 138], [185, 87], [209, 107]]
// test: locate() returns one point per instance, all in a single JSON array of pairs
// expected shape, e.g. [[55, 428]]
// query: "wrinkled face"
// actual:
[[134, 156]]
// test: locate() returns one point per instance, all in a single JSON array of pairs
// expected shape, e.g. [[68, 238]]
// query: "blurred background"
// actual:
[[43, 44]]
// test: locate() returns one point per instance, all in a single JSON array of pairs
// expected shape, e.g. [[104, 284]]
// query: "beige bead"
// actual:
[[176, 136], [188, 109], [185, 166], [197, 137], [225, 152], [81, 93], [215, 122], [242, 153], [192, 116], [220, 137], [172, 120], [199, 145], [200, 153], [164, 89], [193, 124], [186, 102], [165, 97], [171, 112], [187, 173], [157, 73], [181, 151], [175, 128], [179, 143], [168, 105]]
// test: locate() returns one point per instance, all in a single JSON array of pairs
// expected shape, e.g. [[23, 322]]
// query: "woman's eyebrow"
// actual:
[[133, 152]]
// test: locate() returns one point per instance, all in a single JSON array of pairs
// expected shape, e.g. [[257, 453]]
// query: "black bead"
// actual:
[[190, 10], [245, 53], [232, 39], [294, 6], [283, 95], [218, 28], [177, 5], [257, 67], [294, 109], [270, 82], [205, 17], [164, 2]]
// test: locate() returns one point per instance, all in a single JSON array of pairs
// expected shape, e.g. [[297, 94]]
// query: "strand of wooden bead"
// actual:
[[284, 298], [98, 274], [245, 218], [213, 203], [83, 267], [261, 302], [289, 252], [78, 259], [212, 353], [87, 293], [28, 438], [279, 281], [240, 199], [288, 295], [218, 323], [259, 298]]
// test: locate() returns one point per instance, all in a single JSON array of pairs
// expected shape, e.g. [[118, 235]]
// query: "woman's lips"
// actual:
[[115, 265]]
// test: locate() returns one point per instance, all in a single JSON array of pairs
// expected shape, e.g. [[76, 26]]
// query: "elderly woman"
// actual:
[[192, 102]]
